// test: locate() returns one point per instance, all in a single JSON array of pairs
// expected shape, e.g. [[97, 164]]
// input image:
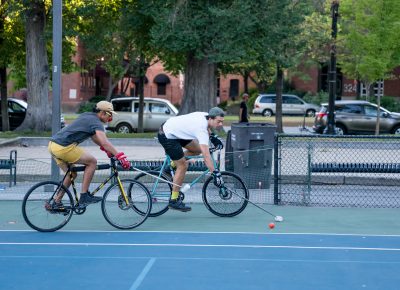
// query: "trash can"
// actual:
[[252, 145], [228, 152]]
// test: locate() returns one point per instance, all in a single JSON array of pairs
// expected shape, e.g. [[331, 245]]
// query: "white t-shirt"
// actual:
[[188, 127]]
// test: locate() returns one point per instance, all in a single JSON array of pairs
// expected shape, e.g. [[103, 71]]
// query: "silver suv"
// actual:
[[155, 112], [357, 117], [265, 105]]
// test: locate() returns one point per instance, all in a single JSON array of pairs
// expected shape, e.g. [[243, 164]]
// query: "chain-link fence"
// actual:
[[347, 171]]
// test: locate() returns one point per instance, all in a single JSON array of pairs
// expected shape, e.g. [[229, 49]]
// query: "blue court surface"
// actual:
[[197, 260]]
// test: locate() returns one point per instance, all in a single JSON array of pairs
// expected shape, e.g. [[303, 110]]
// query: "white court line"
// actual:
[[207, 233], [201, 246], [142, 274]]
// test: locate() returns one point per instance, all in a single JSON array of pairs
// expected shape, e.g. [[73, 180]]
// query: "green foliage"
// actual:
[[389, 103], [223, 105], [369, 39], [319, 98], [90, 105]]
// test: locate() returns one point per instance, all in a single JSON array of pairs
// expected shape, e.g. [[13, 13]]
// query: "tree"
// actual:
[[282, 41], [369, 41], [197, 36]]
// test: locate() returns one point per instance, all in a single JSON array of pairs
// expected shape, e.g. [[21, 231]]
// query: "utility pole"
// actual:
[[332, 69], [57, 52]]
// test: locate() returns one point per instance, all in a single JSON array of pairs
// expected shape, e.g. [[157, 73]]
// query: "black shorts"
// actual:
[[173, 147]]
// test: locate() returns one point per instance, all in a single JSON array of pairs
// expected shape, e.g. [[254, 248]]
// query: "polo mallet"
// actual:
[[277, 218]]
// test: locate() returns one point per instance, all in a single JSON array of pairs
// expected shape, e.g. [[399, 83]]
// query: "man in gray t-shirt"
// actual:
[[64, 148]]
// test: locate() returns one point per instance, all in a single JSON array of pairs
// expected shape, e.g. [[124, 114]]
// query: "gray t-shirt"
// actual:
[[82, 128]]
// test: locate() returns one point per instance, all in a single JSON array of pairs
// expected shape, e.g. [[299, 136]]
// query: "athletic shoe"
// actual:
[[87, 198], [177, 204]]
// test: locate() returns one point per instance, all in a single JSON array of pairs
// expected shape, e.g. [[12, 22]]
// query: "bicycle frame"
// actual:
[[167, 162], [114, 174]]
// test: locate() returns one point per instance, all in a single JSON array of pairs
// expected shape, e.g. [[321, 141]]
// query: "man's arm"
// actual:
[[240, 113], [205, 151], [101, 139]]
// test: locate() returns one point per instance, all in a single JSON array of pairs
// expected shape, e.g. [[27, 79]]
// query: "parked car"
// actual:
[[16, 113], [155, 112], [265, 105], [357, 117]]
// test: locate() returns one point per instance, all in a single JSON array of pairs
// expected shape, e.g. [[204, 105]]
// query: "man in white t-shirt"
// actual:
[[192, 132]]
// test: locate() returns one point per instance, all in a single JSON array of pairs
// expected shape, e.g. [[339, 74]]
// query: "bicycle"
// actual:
[[228, 201], [126, 203]]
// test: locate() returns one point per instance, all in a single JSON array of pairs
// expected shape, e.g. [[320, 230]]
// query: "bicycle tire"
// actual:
[[226, 203], [120, 215], [160, 195], [34, 207]]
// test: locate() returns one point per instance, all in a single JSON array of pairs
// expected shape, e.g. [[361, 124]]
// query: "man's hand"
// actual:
[[123, 160], [216, 142], [218, 181], [108, 153]]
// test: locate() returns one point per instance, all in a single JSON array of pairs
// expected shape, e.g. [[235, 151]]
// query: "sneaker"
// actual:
[[177, 204], [87, 198]]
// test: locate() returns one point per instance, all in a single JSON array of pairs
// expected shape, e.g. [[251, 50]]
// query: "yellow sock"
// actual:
[[175, 195]]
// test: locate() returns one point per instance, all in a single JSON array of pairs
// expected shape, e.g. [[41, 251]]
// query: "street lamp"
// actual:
[[332, 69]]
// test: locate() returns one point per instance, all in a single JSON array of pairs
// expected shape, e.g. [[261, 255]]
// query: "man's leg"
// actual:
[[90, 167], [181, 168], [67, 181]]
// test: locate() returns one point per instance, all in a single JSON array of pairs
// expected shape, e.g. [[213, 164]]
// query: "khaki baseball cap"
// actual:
[[105, 106]]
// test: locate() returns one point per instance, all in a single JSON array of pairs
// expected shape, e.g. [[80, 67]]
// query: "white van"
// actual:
[[155, 112]]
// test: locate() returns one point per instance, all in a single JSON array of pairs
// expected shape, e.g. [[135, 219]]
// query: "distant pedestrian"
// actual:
[[243, 112]]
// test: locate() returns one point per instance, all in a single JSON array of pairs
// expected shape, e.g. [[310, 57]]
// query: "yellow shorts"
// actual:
[[65, 154]]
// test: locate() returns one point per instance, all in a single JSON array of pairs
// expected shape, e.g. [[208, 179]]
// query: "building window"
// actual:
[[378, 88], [161, 80]]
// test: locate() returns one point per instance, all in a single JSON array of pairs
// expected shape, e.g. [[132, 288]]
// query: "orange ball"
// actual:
[[271, 225]]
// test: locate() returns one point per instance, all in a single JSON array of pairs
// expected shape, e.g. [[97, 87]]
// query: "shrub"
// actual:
[[319, 98], [91, 104], [389, 103]]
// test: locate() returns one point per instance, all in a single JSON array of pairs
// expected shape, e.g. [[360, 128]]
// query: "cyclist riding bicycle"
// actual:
[[193, 132], [64, 148]]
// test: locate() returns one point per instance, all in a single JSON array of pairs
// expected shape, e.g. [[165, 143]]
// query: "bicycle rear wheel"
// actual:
[[37, 211], [121, 215], [227, 202], [160, 190]]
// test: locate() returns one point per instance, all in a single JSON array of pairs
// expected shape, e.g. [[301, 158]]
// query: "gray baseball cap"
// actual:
[[215, 112]]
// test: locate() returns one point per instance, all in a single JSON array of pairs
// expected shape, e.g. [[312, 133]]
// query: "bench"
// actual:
[[356, 167], [10, 164]]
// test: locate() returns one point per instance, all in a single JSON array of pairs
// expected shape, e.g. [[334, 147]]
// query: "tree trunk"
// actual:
[[246, 82], [5, 125], [378, 115], [142, 73], [200, 93], [279, 89], [38, 116]]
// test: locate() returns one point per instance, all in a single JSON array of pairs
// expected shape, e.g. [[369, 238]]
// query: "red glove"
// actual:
[[108, 153], [123, 160]]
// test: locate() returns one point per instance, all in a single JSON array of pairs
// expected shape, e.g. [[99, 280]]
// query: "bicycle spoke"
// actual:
[[38, 212], [227, 201], [121, 214]]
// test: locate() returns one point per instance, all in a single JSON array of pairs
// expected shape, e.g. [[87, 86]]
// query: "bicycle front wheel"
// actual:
[[37, 210], [228, 201], [122, 214], [160, 190]]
